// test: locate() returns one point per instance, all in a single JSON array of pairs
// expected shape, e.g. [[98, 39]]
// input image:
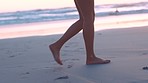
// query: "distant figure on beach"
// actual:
[[116, 11], [86, 23]]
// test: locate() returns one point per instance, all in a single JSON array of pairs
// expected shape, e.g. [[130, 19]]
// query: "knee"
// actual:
[[89, 21], [81, 21], [90, 18], [93, 17]]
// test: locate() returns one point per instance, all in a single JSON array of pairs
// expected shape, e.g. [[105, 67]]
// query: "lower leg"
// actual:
[[73, 30], [87, 11], [88, 34], [55, 47]]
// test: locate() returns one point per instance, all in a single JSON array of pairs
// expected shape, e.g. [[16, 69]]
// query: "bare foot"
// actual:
[[96, 60], [55, 53]]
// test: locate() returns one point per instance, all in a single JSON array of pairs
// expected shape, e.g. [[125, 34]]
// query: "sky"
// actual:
[[19, 5]]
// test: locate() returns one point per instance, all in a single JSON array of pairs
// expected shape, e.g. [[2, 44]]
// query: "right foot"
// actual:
[[96, 60], [56, 54]]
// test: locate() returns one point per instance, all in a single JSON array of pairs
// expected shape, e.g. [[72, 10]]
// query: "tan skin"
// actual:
[[86, 23]]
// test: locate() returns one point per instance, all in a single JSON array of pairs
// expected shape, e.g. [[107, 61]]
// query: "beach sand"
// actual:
[[28, 60]]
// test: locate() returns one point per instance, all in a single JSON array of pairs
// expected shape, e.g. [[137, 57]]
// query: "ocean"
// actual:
[[68, 13]]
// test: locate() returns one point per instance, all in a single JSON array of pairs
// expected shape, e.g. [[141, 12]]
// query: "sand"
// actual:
[[27, 59]]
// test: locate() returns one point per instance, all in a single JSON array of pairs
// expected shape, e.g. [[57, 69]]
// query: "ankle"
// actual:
[[55, 46], [90, 58]]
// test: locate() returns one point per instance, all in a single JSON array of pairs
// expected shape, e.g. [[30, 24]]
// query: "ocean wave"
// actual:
[[41, 15]]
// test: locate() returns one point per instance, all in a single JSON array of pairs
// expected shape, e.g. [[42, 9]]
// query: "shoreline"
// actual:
[[59, 27]]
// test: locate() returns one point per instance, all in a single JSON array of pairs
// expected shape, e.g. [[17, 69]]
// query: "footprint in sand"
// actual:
[[62, 77], [12, 56], [23, 75], [69, 66], [145, 68], [144, 53], [99, 33]]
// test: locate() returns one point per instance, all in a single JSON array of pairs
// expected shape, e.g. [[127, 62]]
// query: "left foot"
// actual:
[[56, 54]]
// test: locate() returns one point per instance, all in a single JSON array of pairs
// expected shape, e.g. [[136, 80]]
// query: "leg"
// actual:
[[73, 30], [87, 10], [55, 47]]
